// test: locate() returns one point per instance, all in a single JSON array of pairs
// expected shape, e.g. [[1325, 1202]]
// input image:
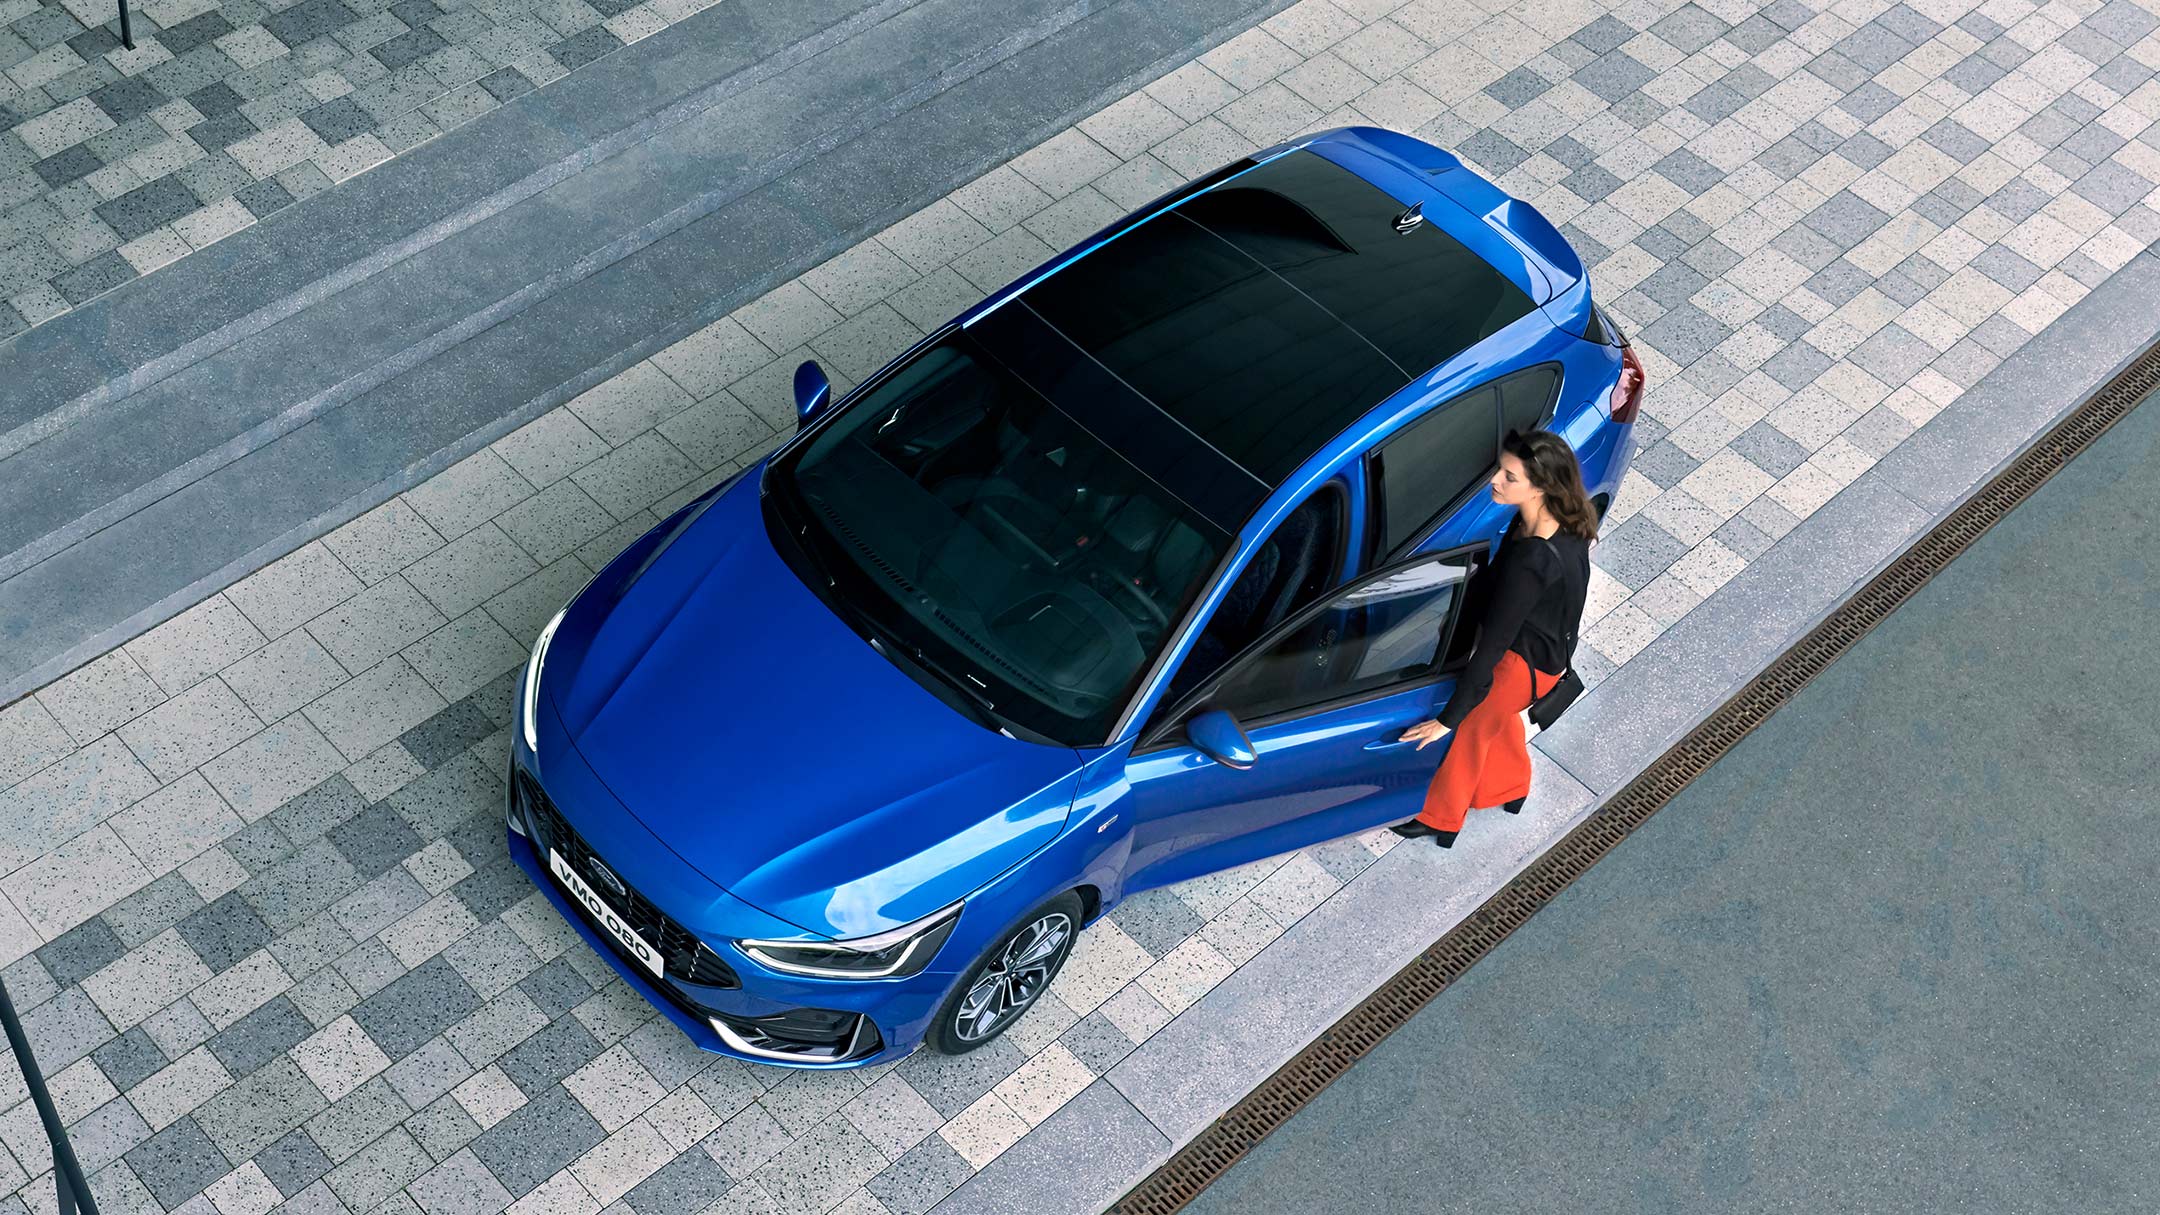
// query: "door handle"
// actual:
[[1387, 743]]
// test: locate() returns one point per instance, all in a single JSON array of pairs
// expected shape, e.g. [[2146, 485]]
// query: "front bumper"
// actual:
[[726, 1003]]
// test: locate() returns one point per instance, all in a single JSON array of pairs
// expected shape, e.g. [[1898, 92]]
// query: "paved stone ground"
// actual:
[[256, 904], [115, 162]]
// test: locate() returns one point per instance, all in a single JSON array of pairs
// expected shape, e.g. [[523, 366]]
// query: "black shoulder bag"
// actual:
[[1546, 709]]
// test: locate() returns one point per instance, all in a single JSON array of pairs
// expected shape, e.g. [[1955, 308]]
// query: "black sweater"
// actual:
[[1535, 607]]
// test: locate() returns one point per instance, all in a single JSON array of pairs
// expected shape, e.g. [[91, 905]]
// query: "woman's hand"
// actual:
[[1424, 732]]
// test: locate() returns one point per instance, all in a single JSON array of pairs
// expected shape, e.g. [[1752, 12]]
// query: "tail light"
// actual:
[[1627, 394]]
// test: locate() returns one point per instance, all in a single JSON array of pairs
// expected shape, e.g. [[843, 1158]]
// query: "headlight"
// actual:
[[894, 954], [532, 679]]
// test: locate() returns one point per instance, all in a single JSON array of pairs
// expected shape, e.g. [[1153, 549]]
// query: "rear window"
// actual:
[[1422, 296]]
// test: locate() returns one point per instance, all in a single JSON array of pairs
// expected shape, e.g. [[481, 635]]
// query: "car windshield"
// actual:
[[998, 541]]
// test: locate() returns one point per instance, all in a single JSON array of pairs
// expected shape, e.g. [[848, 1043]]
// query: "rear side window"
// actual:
[[1526, 399], [1433, 461]]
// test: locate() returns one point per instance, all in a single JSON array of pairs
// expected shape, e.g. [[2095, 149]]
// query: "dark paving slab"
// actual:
[[1892, 953]]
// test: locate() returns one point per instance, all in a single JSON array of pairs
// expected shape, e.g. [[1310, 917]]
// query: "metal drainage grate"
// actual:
[[1218, 1147]]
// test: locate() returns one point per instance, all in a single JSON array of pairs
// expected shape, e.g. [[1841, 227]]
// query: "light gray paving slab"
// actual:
[[30, 738], [197, 642], [105, 693], [68, 797], [376, 623], [293, 589], [373, 708], [189, 730], [284, 675], [289, 757]]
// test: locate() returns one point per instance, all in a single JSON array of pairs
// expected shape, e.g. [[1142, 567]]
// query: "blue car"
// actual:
[[1134, 572]]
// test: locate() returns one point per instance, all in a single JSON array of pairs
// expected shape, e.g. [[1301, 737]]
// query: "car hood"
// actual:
[[773, 750]]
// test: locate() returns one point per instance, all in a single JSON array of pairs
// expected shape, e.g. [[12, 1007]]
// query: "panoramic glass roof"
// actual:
[[1272, 311]]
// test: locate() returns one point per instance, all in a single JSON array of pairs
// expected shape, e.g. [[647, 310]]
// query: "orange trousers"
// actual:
[[1488, 759]]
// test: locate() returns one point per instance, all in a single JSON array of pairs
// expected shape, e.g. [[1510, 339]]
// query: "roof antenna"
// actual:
[[1408, 221]]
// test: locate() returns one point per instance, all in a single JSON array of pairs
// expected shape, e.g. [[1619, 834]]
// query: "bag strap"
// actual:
[[1567, 663]]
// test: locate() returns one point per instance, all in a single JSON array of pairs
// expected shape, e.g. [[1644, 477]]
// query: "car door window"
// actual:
[[1384, 631], [1290, 570], [1429, 465]]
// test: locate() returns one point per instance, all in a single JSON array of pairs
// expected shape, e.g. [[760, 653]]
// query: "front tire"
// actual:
[[1005, 982]]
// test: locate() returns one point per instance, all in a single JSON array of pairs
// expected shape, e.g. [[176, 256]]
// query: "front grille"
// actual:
[[683, 956]]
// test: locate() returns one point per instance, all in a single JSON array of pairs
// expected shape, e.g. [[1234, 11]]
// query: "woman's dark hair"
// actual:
[[1553, 470]]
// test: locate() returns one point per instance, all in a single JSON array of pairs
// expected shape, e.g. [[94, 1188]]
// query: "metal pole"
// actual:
[[66, 1172], [127, 39]]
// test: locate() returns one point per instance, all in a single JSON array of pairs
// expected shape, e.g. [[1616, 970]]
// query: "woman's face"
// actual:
[[1511, 485]]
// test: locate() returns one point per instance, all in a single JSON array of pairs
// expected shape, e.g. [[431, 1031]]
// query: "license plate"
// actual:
[[608, 918]]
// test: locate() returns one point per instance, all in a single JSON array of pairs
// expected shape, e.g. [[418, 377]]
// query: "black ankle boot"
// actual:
[[1515, 807], [1413, 829], [1446, 839]]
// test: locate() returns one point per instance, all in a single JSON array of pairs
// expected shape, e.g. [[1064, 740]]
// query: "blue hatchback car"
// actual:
[[1135, 571]]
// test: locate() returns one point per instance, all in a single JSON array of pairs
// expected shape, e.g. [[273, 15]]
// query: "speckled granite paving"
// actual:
[[256, 904]]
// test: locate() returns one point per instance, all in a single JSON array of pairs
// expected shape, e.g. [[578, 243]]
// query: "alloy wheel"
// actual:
[[1012, 980]]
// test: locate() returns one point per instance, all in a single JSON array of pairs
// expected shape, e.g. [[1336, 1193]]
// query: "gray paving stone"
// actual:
[[373, 708], [386, 899], [950, 1083], [1769, 449], [357, 1119], [442, 1128], [491, 958], [260, 1036], [106, 692], [1098, 1043], [664, 1051], [224, 932], [294, 889], [190, 729], [289, 757], [428, 1074], [542, 1136], [375, 623], [687, 1183], [920, 1179], [177, 1163], [1156, 920], [546, 1057], [374, 841], [461, 1185], [292, 1163], [129, 1059], [1640, 551], [379, 1171], [416, 1007], [109, 1133], [315, 812], [81, 951], [555, 988], [463, 574]]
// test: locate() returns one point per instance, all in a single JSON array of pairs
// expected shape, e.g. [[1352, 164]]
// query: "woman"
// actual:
[[1525, 639]]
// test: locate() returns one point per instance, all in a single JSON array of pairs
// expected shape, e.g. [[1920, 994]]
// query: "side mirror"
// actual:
[[812, 392], [1221, 739]]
